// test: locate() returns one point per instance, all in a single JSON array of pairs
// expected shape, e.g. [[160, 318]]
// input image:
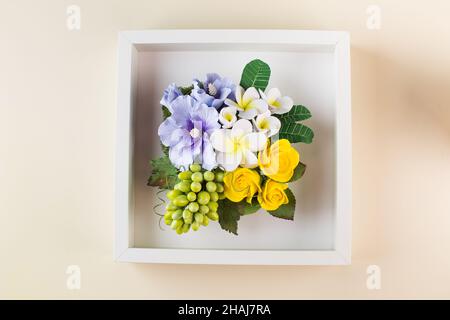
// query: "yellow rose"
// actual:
[[241, 183], [279, 160], [273, 195]]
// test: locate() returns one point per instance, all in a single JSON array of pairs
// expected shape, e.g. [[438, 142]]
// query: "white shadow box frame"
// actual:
[[313, 67]]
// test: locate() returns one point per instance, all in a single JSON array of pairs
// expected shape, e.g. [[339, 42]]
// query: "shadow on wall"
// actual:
[[397, 117], [401, 139]]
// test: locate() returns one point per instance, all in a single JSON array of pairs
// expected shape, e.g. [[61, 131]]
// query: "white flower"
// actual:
[[237, 146], [227, 117], [248, 103], [268, 124], [277, 103]]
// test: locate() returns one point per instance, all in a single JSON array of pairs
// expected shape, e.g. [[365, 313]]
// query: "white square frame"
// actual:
[[124, 250]]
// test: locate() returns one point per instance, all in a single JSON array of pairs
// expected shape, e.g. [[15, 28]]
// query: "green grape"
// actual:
[[196, 186], [181, 201], [195, 225], [186, 227], [213, 206], [184, 186], [185, 175], [219, 187], [172, 194], [176, 223], [168, 217], [204, 209], [187, 215], [219, 176], [177, 214], [211, 186], [199, 217], [214, 196], [208, 176], [203, 197], [197, 177], [205, 221], [168, 214], [180, 229], [171, 207], [195, 167], [191, 196], [190, 207], [193, 206], [214, 216]]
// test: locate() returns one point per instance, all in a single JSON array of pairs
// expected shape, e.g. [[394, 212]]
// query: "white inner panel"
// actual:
[[308, 77]]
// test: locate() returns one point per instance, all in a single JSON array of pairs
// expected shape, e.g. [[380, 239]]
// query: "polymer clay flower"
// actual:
[[248, 103], [237, 146], [187, 133], [279, 161], [214, 90], [272, 195], [170, 93], [227, 117], [267, 124], [241, 183], [277, 103]]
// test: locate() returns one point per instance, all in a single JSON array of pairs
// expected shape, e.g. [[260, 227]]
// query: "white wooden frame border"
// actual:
[[124, 250]]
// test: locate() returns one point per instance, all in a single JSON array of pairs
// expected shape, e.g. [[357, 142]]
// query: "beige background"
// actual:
[[57, 122]]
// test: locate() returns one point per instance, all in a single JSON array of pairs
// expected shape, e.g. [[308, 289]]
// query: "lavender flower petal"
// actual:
[[186, 133], [170, 94], [181, 156], [214, 90], [208, 155]]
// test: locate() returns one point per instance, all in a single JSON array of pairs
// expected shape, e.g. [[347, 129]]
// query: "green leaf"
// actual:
[[164, 174], [230, 213], [228, 216], [166, 113], [286, 211], [186, 90], [165, 150], [297, 113], [244, 208], [295, 132], [299, 171], [256, 74]]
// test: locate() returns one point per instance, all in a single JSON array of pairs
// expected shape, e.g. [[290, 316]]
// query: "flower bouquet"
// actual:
[[227, 150]]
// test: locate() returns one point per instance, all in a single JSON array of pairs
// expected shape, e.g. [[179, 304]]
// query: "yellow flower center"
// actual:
[[236, 145], [246, 104], [275, 103], [228, 116], [264, 124]]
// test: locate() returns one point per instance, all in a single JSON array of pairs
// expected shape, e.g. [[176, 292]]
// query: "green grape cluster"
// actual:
[[193, 201]]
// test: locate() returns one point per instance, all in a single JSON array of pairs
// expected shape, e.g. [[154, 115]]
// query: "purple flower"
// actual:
[[215, 90], [186, 132], [170, 93]]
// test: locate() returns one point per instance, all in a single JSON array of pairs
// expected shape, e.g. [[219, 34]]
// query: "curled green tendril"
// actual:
[[161, 203]]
